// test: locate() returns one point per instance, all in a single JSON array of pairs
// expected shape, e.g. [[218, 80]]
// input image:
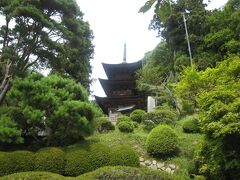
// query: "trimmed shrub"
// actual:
[[148, 125], [123, 118], [135, 124], [22, 161], [77, 162], [191, 125], [138, 115], [50, 159], [162, 141], [125, 126], [124, 156], [33, 176], [6, 166], [17, 161], [163, 116], [103, 124], [123, 172], [99, 155]]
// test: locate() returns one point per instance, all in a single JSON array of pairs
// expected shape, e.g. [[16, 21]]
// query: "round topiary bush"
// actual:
[[148, 125], [6, 166], [162, 141], [22, 161], [191, 125], [123, 118], [78, 162], [50, 159], [103, 124], [138, 115], [124, 156], [99, 155], [126, 126]]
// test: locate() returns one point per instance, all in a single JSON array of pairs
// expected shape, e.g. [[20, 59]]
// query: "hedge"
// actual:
[[124, 156], [125, 173], [50, 159], [6, 166], [78, 162], [99, 155], [33, 176]]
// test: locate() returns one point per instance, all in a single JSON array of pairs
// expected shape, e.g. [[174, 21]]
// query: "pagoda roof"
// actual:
[[115, 102], [112, 70], [109, 85]]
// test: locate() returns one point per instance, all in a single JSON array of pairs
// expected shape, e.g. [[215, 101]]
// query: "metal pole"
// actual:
[[189, 48]]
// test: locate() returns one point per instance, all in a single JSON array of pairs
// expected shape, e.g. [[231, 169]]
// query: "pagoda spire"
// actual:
[[125, 54]]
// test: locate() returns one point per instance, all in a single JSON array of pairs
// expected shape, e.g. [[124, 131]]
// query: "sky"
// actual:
[[115, 22]]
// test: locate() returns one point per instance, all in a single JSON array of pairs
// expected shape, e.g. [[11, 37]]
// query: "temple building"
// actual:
[[120, 88]]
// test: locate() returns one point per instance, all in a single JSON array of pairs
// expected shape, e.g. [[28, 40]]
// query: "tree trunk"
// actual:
[[5, 84]]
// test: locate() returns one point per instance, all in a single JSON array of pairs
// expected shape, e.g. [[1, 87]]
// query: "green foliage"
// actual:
[[33, 176], [126, 126], [123, 172], [17, 161], [54, 103], [191, 125], [22, 161], [148, 125], [208, 160], [162, 115], [9, 132], [159, 65], [162, 141], [135, 124], [122, 118], [5, 166], [124, 156], [137, 115], [187, 107], [189, 86], [50, 159], [77, 162], [103, 124], [99, 155], [54, 34], [217, 95]]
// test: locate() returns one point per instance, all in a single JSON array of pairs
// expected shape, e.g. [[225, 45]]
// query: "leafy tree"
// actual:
[[222, 38], [43, 34], [53, 107], [168, 20], [216, 93], [158, 73]]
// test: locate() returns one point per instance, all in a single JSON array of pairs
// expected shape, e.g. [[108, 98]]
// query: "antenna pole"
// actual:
[[125, 54], [189, 48]]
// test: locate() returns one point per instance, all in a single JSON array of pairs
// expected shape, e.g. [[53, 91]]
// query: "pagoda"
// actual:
[[120, 88]]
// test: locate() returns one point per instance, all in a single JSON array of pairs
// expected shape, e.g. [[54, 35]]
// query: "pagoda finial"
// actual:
[[125, 54]]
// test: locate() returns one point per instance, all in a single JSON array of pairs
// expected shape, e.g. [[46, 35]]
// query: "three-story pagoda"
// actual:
[[120, 88]]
